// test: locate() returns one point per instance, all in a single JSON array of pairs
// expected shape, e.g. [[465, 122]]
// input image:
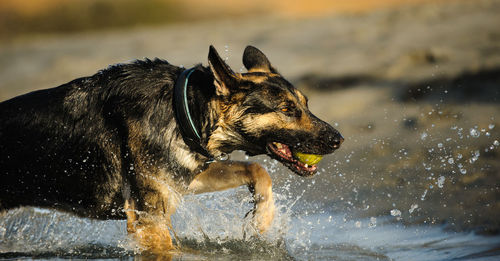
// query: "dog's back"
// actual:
[[65, 146]]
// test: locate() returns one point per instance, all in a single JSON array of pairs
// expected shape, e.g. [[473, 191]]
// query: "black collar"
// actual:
[[189, 132]]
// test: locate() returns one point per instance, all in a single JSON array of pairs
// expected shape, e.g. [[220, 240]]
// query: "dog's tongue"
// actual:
[[309, 159]]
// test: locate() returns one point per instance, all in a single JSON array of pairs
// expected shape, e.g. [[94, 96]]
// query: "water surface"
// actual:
[[213, 227]]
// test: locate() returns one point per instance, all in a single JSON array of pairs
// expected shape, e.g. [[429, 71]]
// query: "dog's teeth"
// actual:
[[307, 166]]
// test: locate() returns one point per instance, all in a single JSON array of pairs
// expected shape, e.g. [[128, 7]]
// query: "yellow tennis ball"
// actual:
[[309, 159]]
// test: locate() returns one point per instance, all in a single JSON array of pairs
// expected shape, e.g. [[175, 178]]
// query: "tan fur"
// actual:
[[151, 232], [228, 114], [302, 97], [185, 157], [257, 78], [263, 121], [275, 120], [304, 123], [153, 235], [129, 209], [259, 69]]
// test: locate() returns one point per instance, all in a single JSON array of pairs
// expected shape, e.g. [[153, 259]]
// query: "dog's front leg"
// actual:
[[149, 230], [148, 217], [230, 174]]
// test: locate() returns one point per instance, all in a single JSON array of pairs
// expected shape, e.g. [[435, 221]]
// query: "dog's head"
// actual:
[[262, 113]]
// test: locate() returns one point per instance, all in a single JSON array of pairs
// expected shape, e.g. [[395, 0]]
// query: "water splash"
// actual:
[[220, 219], [40, 232]]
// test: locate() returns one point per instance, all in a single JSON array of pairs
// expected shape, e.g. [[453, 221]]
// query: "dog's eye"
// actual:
[[287, 109]]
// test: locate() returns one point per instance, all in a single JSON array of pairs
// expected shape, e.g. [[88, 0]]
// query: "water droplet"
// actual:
[[475, 156], [440, 181], [357, 224], [451, 161], [440, 145], [373, 222], [474, 133], [423, 136], [395, 213], [491, 126], [423, 195], [412, 208], [496, 143]]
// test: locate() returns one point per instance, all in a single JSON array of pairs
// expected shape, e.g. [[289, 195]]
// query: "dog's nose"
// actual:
[[337, 140]]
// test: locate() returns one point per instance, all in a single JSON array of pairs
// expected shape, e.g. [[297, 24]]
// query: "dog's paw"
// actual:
[[153, 239], [263, 214]]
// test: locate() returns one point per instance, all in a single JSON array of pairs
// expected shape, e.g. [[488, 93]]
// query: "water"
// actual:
[[213, 227]]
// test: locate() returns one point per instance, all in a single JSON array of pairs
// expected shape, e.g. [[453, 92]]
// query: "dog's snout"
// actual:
[[330, 138]]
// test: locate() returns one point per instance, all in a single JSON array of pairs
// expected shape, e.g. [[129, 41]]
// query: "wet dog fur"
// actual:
[[108, 146]]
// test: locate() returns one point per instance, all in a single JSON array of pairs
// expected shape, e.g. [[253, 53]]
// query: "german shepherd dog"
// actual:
[[127, 142]]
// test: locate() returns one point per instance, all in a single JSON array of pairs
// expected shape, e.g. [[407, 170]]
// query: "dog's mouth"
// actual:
[[293, 160]]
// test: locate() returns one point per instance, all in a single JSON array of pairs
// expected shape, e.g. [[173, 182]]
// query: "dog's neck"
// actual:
[[191, 133], [196, 110]]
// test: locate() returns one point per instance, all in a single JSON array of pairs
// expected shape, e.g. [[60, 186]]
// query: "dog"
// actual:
[[127, 142]]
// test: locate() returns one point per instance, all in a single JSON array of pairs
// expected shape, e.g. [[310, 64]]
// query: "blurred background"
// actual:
[[413, 85]]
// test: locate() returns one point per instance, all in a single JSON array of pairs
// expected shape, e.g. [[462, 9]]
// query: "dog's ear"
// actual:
[[224, 77], [256, 61]]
